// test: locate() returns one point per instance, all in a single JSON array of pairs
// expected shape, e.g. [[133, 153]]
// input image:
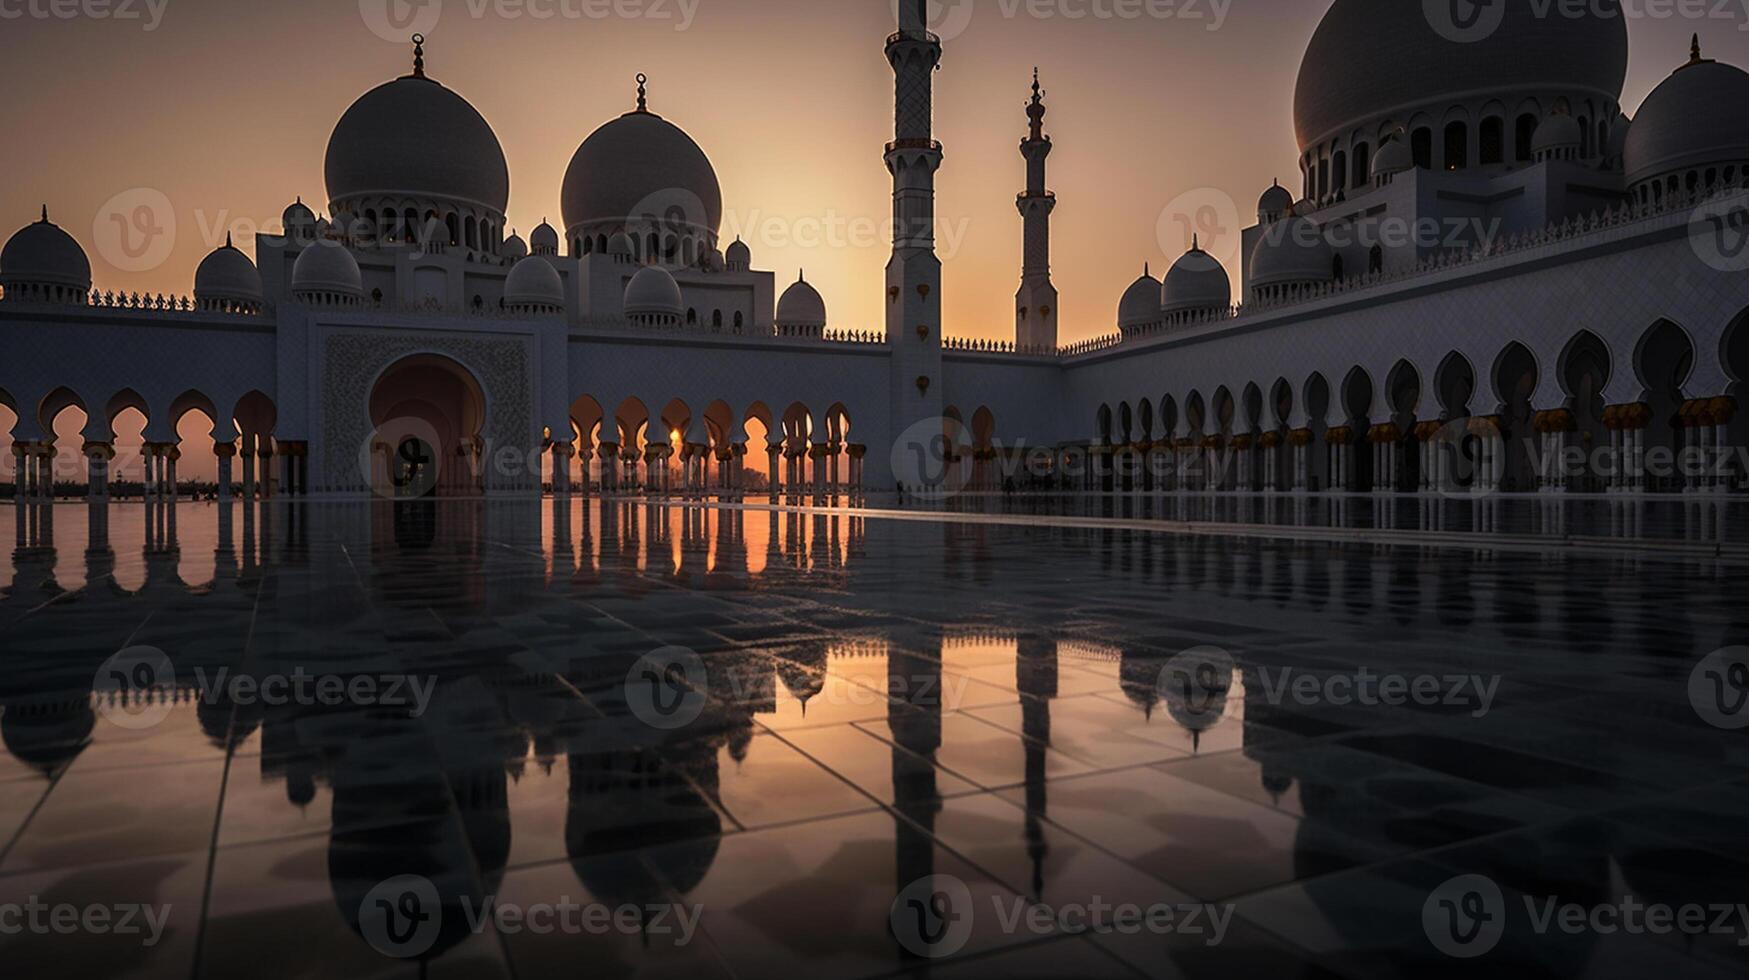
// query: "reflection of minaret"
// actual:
[[914, 716], [1035, 306], [914, 272], [1035, 669]]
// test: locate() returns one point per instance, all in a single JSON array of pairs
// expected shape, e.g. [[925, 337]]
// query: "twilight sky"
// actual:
[[225, 106]]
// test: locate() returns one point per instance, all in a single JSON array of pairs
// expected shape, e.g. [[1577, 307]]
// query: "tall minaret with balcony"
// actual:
[[914, 272], [1035, 306]]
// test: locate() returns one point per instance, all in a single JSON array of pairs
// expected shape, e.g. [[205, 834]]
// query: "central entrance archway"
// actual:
[[427, 412]]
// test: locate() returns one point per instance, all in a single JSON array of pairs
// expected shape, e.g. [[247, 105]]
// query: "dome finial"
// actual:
[[643, 92], [1195, 242], [228, 240], [418, 56], [1035, 110], [1694, 55], [45, 214]]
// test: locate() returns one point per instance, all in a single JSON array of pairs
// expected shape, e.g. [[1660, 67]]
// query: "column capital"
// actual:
[[225, 450]]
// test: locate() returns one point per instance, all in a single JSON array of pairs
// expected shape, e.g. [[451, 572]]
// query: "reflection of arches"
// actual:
[[428, 411], [1454, 384]]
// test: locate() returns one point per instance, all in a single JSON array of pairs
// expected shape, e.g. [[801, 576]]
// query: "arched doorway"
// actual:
[[1584, 372], [428, 412], [1515, 380], [1403, 391], [1664, 359]]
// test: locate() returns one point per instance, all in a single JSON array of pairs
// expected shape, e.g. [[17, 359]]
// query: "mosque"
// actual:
[[1486, 263]]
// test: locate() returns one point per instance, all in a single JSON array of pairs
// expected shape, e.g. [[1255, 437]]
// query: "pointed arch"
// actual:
[[1102, 424], [1282, 401], [1403, 391], [1454, 384], [1168, 415], [1357, 395], [632, 418], [1253, 401], [1195, 413], [1317, 393], [1515, 375], [983, 428]]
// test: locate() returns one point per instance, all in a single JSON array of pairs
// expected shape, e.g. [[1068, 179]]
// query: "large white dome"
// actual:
[[1372, 60], [414, 138], [1697, 116], [637, 168]]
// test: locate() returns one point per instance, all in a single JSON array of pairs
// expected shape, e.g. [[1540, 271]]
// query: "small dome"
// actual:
[[1393, 157], [739, 256], [801, 306], [545, 240], [1140, 305], [1292, 252], [534, 282], [327, 267], [1697, 116], [514, 248], [653, 292], [298, 217], [712, 260], [620, 245], [1195, 282], [227, 276], [43, 262], [1274, 203], [1560, 131]]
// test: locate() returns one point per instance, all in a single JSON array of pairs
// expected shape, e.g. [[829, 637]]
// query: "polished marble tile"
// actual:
[[883, 701]]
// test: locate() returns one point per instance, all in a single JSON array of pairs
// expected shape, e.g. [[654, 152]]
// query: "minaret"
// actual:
[[1035, 306], [914, 273]]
